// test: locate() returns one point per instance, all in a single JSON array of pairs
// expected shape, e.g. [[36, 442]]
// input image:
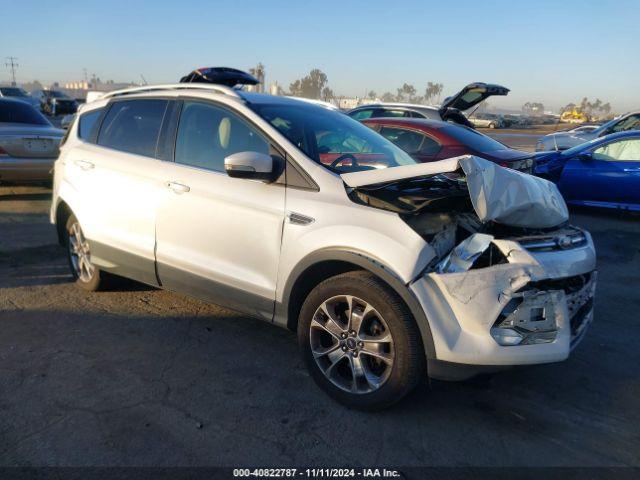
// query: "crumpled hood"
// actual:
[[498, 194], [512, 198]]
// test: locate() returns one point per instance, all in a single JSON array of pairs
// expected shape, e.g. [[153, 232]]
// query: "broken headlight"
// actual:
[[529, 318]]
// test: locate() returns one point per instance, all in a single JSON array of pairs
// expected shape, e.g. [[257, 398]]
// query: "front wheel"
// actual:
[[86, 274], [360, 342]]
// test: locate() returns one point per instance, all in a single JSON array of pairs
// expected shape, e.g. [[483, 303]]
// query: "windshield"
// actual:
[[333, 139], [473, 139], [17, 111], [13, 92]]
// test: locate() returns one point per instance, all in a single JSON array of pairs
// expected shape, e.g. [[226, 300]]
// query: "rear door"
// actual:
[[218, 238], [610, 175], [122, 182]]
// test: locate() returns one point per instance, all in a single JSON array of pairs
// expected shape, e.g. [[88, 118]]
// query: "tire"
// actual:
[[492, 125], [387, 342], [87, 276]]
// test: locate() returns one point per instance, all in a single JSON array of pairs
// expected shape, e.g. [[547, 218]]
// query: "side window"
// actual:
[[133, 126], [87, 122], [429, 146], [362, 114], [621, 151], [207, 134], [407, 140], [385, 113]]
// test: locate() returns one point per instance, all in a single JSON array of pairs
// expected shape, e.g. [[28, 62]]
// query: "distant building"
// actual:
[[347, 103], [260, 74], [275, 89], [79, 89]]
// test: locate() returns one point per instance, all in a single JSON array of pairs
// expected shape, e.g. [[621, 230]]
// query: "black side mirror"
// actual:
[[585, 157]]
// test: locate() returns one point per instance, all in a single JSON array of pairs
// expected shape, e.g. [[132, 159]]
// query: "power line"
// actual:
[[12, 64]]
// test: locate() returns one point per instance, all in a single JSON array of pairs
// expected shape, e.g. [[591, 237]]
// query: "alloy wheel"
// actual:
[[79, 254], [352, 344]]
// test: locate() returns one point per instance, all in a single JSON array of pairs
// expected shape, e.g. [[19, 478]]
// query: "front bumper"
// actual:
[[462, 307]]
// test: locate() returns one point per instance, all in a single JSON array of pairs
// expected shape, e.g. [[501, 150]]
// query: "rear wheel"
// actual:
[[86, 274], [360, 341]]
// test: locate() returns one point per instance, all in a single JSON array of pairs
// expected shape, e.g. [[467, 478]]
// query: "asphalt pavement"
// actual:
[[139, 376]]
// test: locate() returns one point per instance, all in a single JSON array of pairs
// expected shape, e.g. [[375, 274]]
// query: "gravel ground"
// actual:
[[138, 376]]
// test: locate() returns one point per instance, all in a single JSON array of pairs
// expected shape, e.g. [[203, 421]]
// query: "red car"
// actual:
[[430, 140]]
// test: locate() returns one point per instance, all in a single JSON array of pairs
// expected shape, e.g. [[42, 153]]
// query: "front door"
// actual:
[[218, 238], [610, 175]]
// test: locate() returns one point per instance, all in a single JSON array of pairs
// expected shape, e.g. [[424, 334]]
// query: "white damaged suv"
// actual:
[[389, 270]]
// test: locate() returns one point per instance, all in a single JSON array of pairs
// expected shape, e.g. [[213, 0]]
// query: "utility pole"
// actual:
[[11, 62]]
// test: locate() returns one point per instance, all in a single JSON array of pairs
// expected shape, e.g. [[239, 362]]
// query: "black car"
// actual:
[[55, 102]]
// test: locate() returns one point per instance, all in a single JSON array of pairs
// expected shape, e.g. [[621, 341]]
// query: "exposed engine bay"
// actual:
[[471, 206]]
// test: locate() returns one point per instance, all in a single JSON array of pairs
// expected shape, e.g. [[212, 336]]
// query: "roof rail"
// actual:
[[178, 86]]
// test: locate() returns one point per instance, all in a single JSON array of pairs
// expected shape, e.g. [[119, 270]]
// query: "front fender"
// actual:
[[365, 262]]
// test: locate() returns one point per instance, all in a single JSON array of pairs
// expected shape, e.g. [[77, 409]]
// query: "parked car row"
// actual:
[[49, 102]]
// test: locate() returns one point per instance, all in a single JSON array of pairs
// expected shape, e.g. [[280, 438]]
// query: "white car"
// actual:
[[580, 135], [486, 120], [450, 110], [388, 270]]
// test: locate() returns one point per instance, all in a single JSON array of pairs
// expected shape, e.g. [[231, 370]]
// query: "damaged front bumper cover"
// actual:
[[533, 307]]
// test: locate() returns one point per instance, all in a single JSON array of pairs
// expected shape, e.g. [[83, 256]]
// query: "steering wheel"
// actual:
[[342, 158]]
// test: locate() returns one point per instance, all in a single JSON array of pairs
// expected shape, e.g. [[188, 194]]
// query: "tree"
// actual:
[[388, 97], [372, 95], [591, 109], [310, 86], [533, 108], [433, 92], [407, 93], [327, 94]]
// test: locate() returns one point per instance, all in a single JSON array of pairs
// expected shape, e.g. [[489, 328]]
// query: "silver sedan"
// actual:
[[28, 143], [571, 138]]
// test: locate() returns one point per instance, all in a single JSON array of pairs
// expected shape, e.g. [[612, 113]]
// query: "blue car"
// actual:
[[604, 172]]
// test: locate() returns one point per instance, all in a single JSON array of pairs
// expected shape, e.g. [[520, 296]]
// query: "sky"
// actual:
[[554, 52]]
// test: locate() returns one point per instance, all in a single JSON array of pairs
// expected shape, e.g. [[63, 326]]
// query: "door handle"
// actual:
[[84, 165], [178, 187]]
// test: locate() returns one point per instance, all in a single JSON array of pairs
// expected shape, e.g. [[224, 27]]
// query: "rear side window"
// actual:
[[16, 111], [385, 113], [473, 139], [207, 134], [411, 141], [87, 123], [362, 114], [133, 126]]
